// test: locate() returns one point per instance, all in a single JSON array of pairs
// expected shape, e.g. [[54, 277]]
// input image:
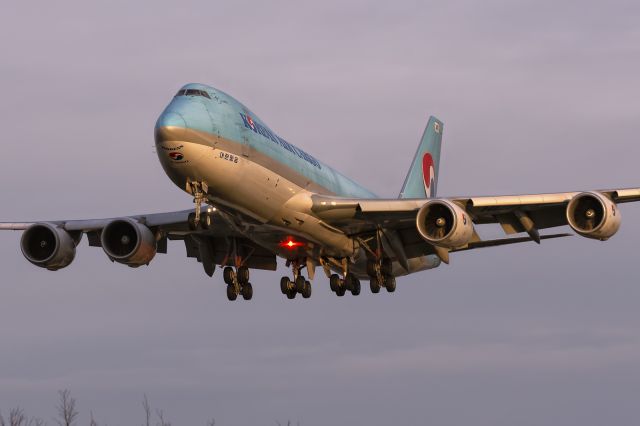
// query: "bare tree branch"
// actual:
[[16, 417], [93, 421], [211, 422], [162, 422], [147, 410], [67, 412]]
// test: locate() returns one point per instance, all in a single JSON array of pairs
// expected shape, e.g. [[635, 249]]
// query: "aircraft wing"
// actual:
[[219, 244], [397, 218]]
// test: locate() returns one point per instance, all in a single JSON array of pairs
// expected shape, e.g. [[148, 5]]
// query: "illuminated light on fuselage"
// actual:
[[290, 244]]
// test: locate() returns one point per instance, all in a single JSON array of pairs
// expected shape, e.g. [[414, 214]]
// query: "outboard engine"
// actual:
[[48, 246], [593, 215]]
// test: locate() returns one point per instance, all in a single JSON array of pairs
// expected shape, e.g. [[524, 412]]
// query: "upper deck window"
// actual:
[[193, 92]]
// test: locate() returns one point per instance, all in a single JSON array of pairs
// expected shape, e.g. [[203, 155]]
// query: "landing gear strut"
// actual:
[[299, 284], [237, 282], [196, 219]]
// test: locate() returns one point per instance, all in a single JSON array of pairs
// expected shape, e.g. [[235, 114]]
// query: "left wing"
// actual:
[[425, 226]]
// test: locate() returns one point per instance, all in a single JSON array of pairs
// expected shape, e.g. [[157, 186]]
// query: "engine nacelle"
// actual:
[[47, 246], [593, 215], [128, 242], [444, 224]]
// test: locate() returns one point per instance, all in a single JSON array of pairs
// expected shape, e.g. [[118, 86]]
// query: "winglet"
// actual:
[[422, 179]]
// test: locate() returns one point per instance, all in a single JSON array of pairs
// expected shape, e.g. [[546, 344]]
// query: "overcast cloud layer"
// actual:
[[536, 96]]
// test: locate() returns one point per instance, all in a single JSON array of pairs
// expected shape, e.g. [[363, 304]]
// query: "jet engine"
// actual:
[[593, 215], [128, 242], [444, 224], [47, 246]]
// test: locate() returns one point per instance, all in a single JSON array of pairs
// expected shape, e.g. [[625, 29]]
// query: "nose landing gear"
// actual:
[[197, 219]]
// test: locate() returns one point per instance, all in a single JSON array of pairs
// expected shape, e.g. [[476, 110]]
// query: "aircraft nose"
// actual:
[[171, 126], [171, 119]]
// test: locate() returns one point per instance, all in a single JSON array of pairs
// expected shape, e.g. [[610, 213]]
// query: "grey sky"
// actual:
[[536, 96]]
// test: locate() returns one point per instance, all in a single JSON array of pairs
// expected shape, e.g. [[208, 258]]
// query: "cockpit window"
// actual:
[[193, 92]]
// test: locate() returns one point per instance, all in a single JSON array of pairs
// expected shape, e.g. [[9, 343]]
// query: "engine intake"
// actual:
[[128, 242], [593, 215], [444, 224], [47, 246]]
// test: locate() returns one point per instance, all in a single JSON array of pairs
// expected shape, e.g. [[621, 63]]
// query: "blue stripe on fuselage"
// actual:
[[223, 115]]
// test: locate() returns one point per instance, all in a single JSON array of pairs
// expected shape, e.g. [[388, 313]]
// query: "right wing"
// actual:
[[134, 240]]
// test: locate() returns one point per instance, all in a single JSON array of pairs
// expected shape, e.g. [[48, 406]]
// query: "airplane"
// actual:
[[257, 197]]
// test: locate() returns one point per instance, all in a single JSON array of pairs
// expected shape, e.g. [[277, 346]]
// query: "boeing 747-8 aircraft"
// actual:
[[257, 196]]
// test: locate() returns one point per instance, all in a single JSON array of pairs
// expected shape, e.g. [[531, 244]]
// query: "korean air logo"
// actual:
[[251, 123], [428, 174], [176, 156]]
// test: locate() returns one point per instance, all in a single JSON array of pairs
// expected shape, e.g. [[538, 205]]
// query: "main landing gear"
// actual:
[[238, 283], [299, 284], [341, 285], [380, 276]]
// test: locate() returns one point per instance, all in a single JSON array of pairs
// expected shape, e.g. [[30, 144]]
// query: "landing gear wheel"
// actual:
[[341, 291], [390, 283], [205, 220], [306, 291], [243, 275], [232, 294], [299, 284], [387, 267], [355, 285], [375, 285], [247, 291], [229, 275], [285, 285], [191, 220], [291, 294], [334, 282]]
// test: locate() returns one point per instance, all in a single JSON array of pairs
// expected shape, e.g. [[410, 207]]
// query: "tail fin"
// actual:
[[422, 179]]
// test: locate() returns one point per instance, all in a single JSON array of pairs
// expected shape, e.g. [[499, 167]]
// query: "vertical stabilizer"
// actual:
[[422, 179]]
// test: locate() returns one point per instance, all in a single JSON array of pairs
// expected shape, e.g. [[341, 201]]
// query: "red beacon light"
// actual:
[[290, 243]]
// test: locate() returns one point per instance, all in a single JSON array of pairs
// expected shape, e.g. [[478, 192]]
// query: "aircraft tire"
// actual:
[[247, 291], [299, 287], [205, 220], [191, 220], [387, 267], [390, 283], [355, 286], [374, 284], [334, 282], [232, 294], [306, 291], [341, 291], [243, 275], [291, 294], [228, 274], [285, 284]]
